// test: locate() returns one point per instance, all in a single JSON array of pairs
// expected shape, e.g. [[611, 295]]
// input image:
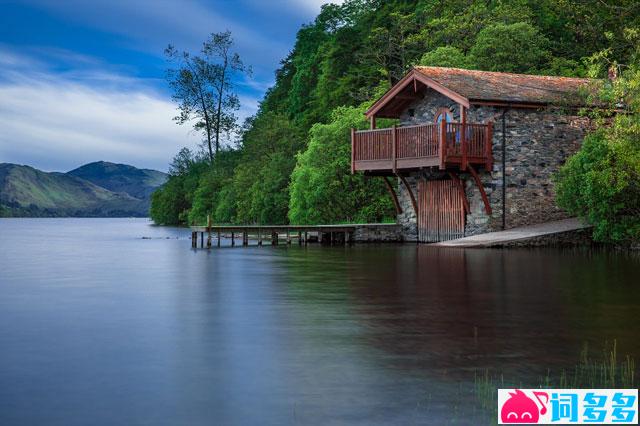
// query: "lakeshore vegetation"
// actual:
[[290, 162]]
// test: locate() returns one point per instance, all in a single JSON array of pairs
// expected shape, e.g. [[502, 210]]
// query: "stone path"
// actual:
[[516, 234]]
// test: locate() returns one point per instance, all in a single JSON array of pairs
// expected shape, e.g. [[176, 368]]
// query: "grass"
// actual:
[[606, 371]]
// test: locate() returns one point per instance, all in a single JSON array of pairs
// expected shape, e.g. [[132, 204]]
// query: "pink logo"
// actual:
[[519, 408]]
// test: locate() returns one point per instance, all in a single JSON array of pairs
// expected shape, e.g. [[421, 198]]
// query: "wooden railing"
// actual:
[[426, 145]]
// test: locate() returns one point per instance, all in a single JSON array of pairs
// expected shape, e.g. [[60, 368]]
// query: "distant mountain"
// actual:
[[94, 190], [138, 183]]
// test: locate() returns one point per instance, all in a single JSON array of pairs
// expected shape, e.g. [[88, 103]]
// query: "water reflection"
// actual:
[[132, 331]]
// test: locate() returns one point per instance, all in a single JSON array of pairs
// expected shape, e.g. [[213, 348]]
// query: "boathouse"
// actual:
[[474, 151]]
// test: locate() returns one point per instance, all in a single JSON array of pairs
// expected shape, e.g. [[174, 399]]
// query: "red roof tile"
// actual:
[[507, 87]]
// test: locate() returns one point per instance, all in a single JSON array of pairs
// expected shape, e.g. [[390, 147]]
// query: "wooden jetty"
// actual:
[[324, 234]]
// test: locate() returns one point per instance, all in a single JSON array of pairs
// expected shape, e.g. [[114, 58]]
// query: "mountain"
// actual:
[[106, 190], [138, 183]]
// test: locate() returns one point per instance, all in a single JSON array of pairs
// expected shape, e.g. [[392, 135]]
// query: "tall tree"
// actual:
[[203, 87]]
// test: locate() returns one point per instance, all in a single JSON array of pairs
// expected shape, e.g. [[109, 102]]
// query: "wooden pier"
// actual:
[[272, 234]]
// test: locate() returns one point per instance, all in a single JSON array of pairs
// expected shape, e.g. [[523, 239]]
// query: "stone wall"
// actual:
[[378, 232], [538, 142]]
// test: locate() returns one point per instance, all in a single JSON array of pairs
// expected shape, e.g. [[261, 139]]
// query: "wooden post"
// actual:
[[394, 140], [306, 237], [208, 231], [372, 122], [233, 238], [353, 150], [202, 239], [299, 238], [259, 236], [288, 237], [274, 238], [443, 143], [245, 238], [194, 239], [488, 135], [463, 136], [218, 237]]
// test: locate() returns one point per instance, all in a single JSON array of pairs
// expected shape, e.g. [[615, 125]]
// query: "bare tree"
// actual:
[[203, 87]]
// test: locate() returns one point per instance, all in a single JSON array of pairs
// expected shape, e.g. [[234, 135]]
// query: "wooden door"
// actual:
[[441, 211]]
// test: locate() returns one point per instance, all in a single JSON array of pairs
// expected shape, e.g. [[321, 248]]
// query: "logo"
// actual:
[[568, 406]]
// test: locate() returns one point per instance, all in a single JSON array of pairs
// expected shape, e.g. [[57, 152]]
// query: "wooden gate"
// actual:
[[441, 211]]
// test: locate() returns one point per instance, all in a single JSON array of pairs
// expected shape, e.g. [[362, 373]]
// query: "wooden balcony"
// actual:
[[443, 145]]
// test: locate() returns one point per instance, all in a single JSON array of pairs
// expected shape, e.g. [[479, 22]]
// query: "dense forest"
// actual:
[[291, 163]]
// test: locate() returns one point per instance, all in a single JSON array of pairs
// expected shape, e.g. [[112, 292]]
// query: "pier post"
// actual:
[[259, 237], [288, 237], [194, 239], [299, 238], [208, 231], [218, 238], [245, 238], [306, 237], [202, 239], [274, 238], [233, 238]]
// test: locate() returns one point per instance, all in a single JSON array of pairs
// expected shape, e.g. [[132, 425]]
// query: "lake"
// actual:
[[100, 326]]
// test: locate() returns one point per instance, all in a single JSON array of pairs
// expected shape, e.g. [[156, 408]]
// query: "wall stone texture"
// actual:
[[538, 142]]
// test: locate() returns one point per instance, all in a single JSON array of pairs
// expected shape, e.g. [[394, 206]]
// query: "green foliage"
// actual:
[[344, 58], [446, 56], [322, 188], [601, 183], [515, 47]]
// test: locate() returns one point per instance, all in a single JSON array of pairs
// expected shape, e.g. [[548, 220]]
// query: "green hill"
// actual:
[[138, 183], [25, 191]]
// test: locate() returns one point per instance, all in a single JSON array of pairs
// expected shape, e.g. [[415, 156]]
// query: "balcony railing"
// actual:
[[441, 145]]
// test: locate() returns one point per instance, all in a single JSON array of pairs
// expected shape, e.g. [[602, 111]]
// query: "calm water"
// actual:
[[99, 326]]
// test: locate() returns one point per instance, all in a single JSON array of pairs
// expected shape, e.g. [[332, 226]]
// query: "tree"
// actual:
[[445, 56], [203, 87], [515, 47], [601, 183], [322, 188]]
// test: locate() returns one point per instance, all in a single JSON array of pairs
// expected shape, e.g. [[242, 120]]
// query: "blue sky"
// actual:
[[83, 80]]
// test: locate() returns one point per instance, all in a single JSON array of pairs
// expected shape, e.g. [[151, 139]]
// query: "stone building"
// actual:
[[474, 151]]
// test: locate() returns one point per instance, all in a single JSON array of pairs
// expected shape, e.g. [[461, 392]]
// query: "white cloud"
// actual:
[[56, 123], [151, 25], [312, 6]]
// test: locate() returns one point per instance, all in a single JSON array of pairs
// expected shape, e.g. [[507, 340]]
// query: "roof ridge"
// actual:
[[466, 70]]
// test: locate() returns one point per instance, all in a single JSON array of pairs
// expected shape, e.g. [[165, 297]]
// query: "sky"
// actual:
[[83, 81]]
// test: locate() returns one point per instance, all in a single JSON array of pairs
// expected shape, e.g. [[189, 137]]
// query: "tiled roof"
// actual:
[[508, 87]]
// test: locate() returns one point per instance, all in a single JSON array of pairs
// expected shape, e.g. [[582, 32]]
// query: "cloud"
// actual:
[[151, 25], [54, 122], [312, 6]]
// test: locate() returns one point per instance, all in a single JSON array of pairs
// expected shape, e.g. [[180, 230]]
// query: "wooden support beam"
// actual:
[[394, 147], [394, 197], [288, 237], [274, 238], [306, 237], [299, 238], [194, 239], [245, 238], [353, 151], [442, 143], [218, 238], [202, 240], [413, 198], [372, 122], [463, 136], [460, 185], [259, 237], [233, 238], [485, 200], [208, 231]]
